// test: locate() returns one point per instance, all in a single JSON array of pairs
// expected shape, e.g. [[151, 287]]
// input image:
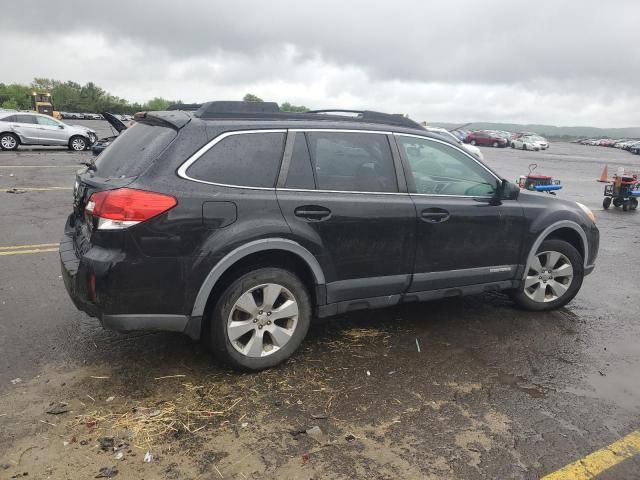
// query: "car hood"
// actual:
[[115, 122], [83, 128]]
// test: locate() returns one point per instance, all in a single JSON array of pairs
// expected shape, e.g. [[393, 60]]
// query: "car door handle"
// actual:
[[435, 215], [313, 213]]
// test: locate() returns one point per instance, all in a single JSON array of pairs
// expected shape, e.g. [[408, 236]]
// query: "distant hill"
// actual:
[[550, 131]]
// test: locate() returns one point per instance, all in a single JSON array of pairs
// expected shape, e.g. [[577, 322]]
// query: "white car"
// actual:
[[541, 141], [27, 128], [526, 142], [472, 149]]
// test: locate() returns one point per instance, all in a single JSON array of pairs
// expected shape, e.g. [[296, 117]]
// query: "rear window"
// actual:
[[134, 150]]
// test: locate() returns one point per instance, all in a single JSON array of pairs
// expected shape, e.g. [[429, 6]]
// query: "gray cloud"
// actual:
[[549, 61]]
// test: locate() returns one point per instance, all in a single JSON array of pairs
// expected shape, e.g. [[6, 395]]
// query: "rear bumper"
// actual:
[[75, 274]]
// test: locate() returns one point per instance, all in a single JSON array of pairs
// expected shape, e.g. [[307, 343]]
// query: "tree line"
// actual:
[[70, 96]]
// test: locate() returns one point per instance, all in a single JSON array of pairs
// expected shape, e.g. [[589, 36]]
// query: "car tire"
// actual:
[[617, 202], [633, 203], [625, 205], [513, 145], [606, 203], [473, 142], [494, 144], [540, 291], [241, 331], [524, 146], [78, 143], [9, 141]]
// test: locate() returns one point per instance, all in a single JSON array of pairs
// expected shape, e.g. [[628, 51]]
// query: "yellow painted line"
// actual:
[[22, 252], [37, 189], [599, 461], [39, 245]]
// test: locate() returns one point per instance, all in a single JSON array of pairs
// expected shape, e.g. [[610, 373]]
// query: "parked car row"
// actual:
[[91, 116], [501, 139], [630, 144]]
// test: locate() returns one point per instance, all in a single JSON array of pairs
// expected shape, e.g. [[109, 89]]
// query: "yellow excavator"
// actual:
[[42, 102]]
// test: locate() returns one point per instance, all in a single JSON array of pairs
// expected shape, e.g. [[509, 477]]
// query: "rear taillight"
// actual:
[[125, 207]]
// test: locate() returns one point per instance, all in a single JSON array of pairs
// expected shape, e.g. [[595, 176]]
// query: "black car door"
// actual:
[[464, 235], [343, 199]]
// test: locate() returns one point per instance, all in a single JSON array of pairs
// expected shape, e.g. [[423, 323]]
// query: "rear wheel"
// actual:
[[553, 277], [78, 143], [260, 319], [494, 144], [633, 203], [606, 203], [8, 141]]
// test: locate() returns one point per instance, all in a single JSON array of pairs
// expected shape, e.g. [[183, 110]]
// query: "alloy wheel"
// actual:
[[262, 320], [8, 142], [78, 144], [549, 277]]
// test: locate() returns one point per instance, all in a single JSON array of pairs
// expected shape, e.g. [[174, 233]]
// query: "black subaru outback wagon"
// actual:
[[238, 222]]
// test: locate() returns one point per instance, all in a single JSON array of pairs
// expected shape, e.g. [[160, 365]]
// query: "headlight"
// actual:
[[588, 211]]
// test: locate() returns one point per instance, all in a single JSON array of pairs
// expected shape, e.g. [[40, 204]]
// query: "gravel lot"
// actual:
[[491, 392]]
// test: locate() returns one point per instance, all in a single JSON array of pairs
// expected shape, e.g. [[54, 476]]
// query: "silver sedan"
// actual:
[[26, 128]]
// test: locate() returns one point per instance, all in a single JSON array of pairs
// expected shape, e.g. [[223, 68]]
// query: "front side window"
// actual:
[[47, 121], [248, 159], [440, 169], [360, 162]]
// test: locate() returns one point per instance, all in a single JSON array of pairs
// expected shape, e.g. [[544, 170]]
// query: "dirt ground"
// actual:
[[467, 388]]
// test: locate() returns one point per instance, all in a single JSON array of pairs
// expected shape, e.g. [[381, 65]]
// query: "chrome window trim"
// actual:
[[338, 191], [454, 147], [339, 130], [182, 170]]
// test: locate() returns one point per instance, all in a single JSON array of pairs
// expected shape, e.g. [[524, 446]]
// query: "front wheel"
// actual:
[[473, 142], [494, 144], [606, 203], [8, 141], [553, 278], [77, 144], [625, 205], [260, 319]]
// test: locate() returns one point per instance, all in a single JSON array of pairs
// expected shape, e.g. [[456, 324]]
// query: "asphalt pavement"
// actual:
[[459, 388]]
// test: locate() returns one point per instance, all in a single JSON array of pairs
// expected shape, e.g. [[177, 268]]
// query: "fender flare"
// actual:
[[247, 249], [551, 228]]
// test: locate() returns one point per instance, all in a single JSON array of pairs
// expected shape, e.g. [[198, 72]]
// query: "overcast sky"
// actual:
[[559, 62]]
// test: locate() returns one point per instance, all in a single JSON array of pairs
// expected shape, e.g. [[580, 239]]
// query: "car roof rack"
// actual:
[[271, 111], [187, 107]]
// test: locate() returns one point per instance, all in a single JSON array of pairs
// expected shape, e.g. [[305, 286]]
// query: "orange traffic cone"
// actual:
[[604, 178]]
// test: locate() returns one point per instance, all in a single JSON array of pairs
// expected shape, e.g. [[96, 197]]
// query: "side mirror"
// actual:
[[61, 127], [509, 191]]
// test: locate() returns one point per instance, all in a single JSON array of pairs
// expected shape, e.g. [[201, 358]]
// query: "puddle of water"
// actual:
[[519, 382]]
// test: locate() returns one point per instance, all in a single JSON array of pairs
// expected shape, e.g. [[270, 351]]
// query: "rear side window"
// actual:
[[360, 162], [9, 118], [248, 159], [26, 119], [134, 150]]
